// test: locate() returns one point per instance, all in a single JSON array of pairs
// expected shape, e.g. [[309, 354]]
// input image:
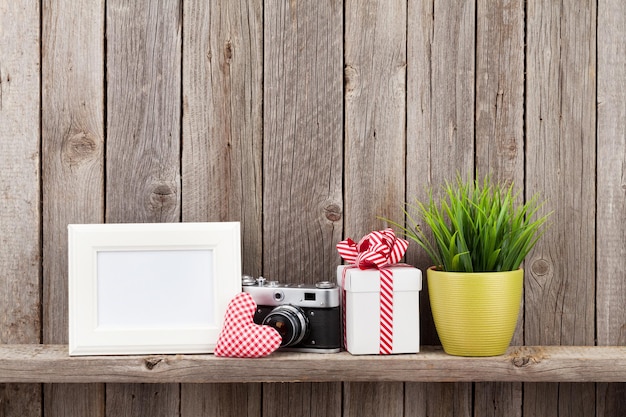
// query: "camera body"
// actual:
[[307, 317]]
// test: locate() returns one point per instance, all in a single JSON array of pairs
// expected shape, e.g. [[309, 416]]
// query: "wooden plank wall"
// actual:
[[305, 121]]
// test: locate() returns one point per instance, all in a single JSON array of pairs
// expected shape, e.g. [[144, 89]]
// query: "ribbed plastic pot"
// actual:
[[475, 313]]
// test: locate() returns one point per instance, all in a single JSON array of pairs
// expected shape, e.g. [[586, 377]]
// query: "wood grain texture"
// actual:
[[221, 400], [440, 144], [440, 89], [20, 222], [302, 167], [500, 90], [440, 110], [73, 168], [374, 132], [51, 363], [262, 111], [373, 399], [611, 242], [610, 399], [563, 399], [143, 147], [222, 118], [72, 142], [438, 399], [500, 143], [302, 399], [560, 120], [20, 215], [494, 399], [74, 400], [560, 164], [611, 205], [375, 100], [154, 400], [20, 400], [222, 152], [143, 112]]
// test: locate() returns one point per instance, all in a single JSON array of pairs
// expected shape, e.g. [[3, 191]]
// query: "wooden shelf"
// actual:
[[52, 364]]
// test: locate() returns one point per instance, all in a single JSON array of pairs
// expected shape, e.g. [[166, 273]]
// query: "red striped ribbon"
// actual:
[[378, 250]]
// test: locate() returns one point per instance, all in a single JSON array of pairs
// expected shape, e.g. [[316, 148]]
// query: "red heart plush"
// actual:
[[240, 336]]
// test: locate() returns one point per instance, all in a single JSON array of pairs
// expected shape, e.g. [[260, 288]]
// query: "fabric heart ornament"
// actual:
[[240, 336]]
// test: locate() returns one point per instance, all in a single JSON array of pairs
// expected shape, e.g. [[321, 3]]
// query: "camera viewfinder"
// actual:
[[309, 296]]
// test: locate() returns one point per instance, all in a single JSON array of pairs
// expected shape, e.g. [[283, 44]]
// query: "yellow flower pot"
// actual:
[[475, 313]]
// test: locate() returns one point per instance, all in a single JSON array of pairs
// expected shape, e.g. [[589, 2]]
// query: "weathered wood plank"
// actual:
[[143, 112], [221, 400], [154, 400], [375, 98], [494, 399], [222, 152], [552, 399], [374, 399], [222, 118], [143, 147], [440, 89], [375, 108], [440, 142], [302, 166], [500, 90], [611, 244], [20, 217], [51, 363], [74, 400], [560, 120], [438, 399], [610, 399], [438, 158], [302, 399], [73, 142], [500, 142], [612, 157], [560, 164], [20, 223], [440, 109]]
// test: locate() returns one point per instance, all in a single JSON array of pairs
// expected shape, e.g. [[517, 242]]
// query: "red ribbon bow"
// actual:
[[378, 250]]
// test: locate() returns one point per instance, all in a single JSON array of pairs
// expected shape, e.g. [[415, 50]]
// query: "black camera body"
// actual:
[[308, 317]]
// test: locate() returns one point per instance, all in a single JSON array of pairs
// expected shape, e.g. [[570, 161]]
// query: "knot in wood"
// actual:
[[163, 198], [161, 194], [521, 362], [78, 147], [333, 212], [526, 356], [350, 78], [151, 363], [228, 51], [540, 267]]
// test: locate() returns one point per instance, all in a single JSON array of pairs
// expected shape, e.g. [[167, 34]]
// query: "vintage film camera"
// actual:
[[306, 316]]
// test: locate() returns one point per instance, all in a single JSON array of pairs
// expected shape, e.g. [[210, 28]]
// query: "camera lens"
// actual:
[[290, 322]]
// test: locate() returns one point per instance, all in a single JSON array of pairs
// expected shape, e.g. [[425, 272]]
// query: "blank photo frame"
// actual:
[[150, 288]]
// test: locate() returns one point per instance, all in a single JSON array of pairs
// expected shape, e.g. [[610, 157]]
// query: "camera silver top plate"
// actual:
[[272, 293]]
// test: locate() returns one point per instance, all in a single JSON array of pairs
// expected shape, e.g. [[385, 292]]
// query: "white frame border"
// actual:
[[84, 243]]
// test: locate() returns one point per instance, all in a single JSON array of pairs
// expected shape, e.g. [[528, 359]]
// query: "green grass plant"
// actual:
[[476, 226]]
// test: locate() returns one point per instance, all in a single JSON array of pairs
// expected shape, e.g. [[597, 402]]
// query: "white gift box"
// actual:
[[362, 309]]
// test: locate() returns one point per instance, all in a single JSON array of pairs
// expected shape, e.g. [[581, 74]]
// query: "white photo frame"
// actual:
[[150, 288]]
